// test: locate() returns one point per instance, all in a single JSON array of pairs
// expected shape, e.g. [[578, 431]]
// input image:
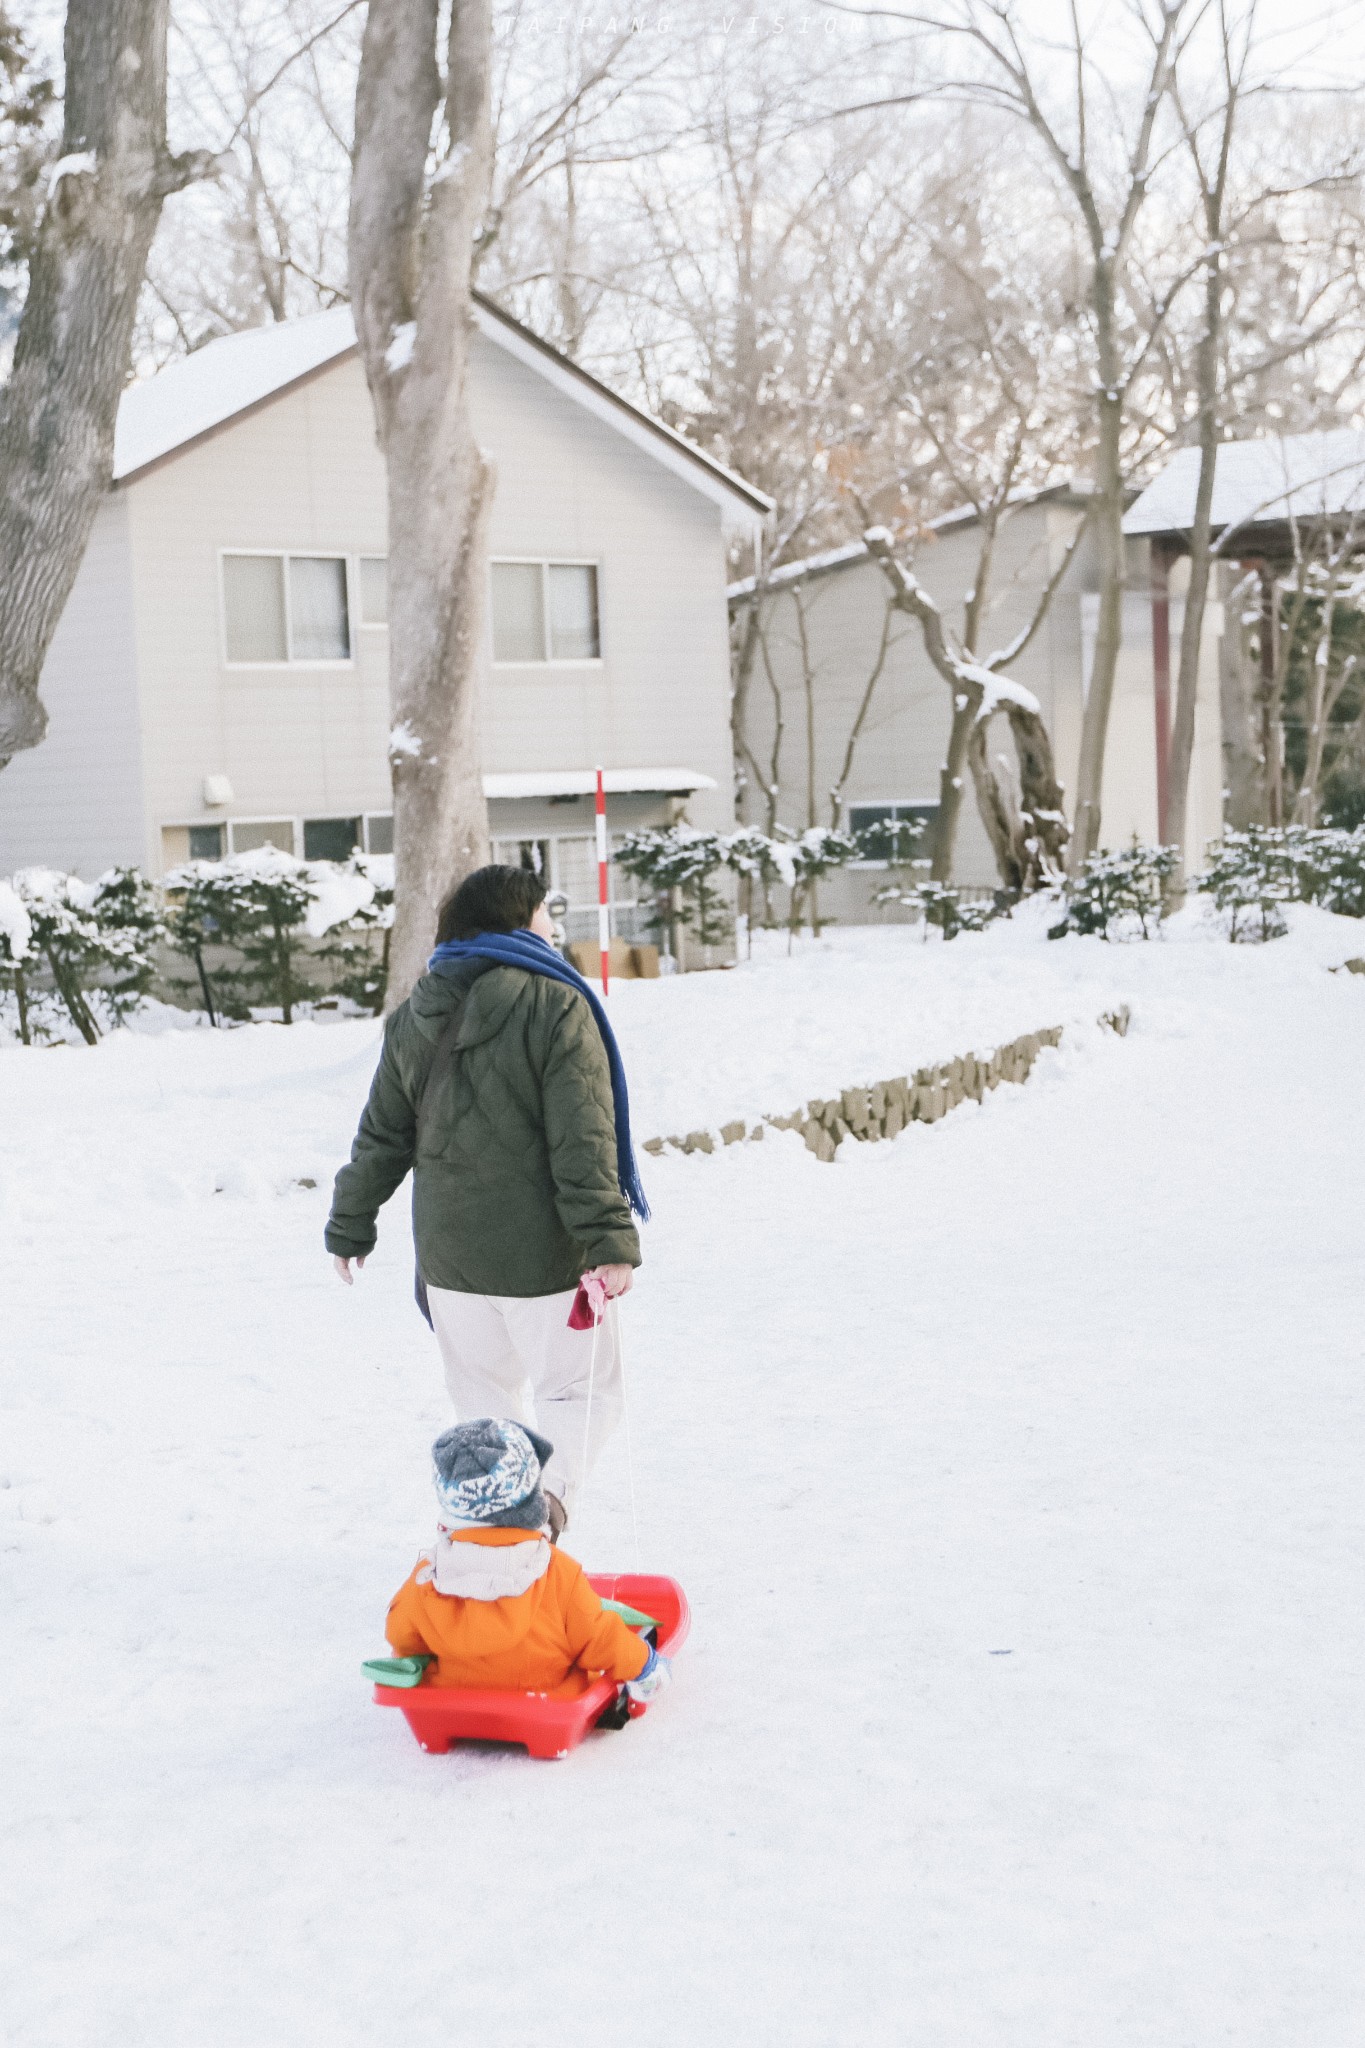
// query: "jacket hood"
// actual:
[[436, 995], [489, 992]]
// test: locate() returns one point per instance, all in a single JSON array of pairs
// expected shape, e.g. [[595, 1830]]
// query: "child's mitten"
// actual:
[[658, 1673]]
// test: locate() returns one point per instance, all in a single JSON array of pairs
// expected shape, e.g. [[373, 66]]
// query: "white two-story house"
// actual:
[[219, 677]]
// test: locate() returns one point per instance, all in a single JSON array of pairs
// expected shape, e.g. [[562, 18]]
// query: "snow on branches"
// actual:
[[257, 928]]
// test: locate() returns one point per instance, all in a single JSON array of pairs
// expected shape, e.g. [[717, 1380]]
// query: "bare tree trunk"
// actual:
[[743, 650], [1243, 776], [1206, 356], [1042, 798], [58, 408], [1269, 699], [1104, 663], [1032, 842], [808, 685], [997, 813], [772, 788], [967, 700], [1324, 690], [411, 248]]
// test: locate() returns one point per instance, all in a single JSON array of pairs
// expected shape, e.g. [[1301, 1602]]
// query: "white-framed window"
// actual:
[[373, 581], [338, 838], [545, 612], [282, 610], [332, 838], [312, 838], [865, 816], [245, 835], [567, 864]]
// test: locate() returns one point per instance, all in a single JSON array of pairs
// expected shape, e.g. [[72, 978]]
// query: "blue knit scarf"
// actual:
[[528, 950]]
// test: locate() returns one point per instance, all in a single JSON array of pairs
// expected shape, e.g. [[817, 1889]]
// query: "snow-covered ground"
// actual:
[[1015, 1472]]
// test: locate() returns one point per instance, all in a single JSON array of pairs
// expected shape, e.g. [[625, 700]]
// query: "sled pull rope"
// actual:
[[614, 1307], [625, 1417], [587, 1416]]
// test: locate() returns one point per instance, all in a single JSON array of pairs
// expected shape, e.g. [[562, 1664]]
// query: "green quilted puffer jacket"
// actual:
[[514, 1157]]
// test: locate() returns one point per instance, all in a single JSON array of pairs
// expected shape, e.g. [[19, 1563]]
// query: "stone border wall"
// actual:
[[884, 1110]]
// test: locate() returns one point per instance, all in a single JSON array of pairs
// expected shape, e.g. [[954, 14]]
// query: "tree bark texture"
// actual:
[[411, 251], [71, 359], [1243, 768], [1108, 517], [1028, 840], [1207, 354]]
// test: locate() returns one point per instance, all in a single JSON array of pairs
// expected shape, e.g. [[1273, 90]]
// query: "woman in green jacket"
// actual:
[[495, 1087]]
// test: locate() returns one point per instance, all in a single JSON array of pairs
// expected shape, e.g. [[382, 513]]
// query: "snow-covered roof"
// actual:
[[809, 565], [1265, 482], [854, 551], [191, 397], [223, 380], [583, 782]]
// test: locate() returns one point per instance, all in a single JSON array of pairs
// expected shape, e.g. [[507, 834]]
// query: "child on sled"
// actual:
[[495, 1603]]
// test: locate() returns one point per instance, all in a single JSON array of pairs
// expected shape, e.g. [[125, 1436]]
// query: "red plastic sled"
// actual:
[[440, 1715]]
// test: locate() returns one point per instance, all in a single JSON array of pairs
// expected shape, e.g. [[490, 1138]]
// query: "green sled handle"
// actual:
[[630, 1615], [401, 1671]]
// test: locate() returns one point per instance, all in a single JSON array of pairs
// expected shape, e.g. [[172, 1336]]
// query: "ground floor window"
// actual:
[[246, 835], [331, 838], [206, 842], [567, 862], [867, 817], [317, 838]]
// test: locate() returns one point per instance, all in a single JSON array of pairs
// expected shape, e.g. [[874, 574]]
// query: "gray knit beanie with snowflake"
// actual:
[[487, 1475]]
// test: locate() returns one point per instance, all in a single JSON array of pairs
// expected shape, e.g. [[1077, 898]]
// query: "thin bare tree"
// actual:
[[1103, 147], [412, 233], [1028, 838], [71, 359]]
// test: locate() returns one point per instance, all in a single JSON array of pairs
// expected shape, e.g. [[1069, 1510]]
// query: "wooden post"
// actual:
[[1161, 681], [603, 901]]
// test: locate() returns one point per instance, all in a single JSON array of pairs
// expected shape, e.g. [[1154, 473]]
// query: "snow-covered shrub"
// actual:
[[1118, 894], [1338, 871], [16, 933], [758, 861], [364, 907], [819, 851], [95, 941], [681, 858], [899, 842], [132, 925], [265, 907], [944, 908], [1251, 875]]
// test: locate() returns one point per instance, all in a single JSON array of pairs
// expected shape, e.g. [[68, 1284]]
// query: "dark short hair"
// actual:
[[492, 899]]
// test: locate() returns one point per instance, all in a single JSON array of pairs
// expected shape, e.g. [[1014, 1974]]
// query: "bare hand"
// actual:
[[343, 1268], [614, 1279]]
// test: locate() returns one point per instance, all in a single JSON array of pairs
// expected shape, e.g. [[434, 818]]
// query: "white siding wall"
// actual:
[[568, 486], [906, 732], [75, 802], [304, 474]]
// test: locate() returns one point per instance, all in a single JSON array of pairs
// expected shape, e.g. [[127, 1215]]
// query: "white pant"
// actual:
[[493, 1344]]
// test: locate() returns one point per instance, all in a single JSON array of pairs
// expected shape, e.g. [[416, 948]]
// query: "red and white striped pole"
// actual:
[[603, 906]]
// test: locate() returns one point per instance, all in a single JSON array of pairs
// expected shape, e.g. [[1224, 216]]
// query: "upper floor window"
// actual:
[[283, 608], [545, 611]]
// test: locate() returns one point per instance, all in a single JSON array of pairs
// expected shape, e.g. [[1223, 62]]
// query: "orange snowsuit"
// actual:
[[547, 1639]]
